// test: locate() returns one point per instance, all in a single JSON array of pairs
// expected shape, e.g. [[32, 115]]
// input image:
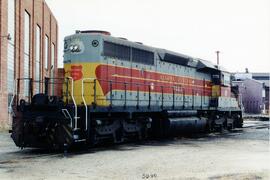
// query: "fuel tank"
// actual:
[[185, 125], [182, 113]]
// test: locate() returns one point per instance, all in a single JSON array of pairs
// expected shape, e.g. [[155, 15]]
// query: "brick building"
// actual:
[[29, 38]]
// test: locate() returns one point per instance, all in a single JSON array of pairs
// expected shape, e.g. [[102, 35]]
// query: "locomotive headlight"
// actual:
[[76, 48], [71, 48]]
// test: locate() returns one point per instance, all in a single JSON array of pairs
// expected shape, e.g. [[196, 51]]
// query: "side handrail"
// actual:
[[84, 102], [66, 114], [175, 91], [75, 105], [240, 101]]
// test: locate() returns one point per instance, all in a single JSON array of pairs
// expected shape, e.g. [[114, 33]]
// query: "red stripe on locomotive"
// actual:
[[145, 79]]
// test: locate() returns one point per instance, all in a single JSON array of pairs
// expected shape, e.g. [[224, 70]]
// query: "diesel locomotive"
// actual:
[[114, 90]]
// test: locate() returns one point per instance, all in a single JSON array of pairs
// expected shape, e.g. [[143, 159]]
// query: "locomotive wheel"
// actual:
[[238, 121], [238, 124], [118, 136]]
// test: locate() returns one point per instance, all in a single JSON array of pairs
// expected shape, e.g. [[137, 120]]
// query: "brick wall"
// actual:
[[60, 82], [3, 64], [39, 14]]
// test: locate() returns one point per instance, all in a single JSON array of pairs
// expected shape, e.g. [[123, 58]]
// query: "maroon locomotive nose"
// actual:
[[76, 72]]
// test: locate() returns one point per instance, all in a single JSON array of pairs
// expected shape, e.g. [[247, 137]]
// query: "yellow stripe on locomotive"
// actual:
[[83, 74]]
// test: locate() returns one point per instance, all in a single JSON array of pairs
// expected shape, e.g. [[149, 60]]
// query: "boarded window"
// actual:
[[27, 41], [52, 75], [46, 52], [37, 62], [11, 47]]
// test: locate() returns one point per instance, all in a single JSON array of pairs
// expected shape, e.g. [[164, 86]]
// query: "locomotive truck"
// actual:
[[116, 90]]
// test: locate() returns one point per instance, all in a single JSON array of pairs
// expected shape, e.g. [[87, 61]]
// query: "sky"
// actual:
[[239, 29]]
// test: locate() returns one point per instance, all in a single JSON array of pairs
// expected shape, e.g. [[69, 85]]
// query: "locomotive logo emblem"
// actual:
[[76, 72], [95, 43]]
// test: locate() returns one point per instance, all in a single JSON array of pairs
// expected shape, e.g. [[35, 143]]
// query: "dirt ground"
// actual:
[[241, 154]]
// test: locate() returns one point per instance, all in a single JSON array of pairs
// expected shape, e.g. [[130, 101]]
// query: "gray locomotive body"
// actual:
[[115, 90]]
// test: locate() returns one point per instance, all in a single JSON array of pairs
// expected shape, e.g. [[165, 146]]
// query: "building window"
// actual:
[[11, 47], [46, 52], [52, 68], [37, 60], [26, 52]]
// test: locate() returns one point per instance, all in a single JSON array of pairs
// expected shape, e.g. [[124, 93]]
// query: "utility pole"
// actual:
[[218, 57]]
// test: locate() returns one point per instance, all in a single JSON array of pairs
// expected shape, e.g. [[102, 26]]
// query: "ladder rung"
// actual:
[[80, 140]]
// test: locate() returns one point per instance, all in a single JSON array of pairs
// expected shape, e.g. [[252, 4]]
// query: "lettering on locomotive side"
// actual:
[[167, 78], [175, 79]]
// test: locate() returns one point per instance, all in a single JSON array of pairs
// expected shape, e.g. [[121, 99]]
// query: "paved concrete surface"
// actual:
[[241, 154]]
